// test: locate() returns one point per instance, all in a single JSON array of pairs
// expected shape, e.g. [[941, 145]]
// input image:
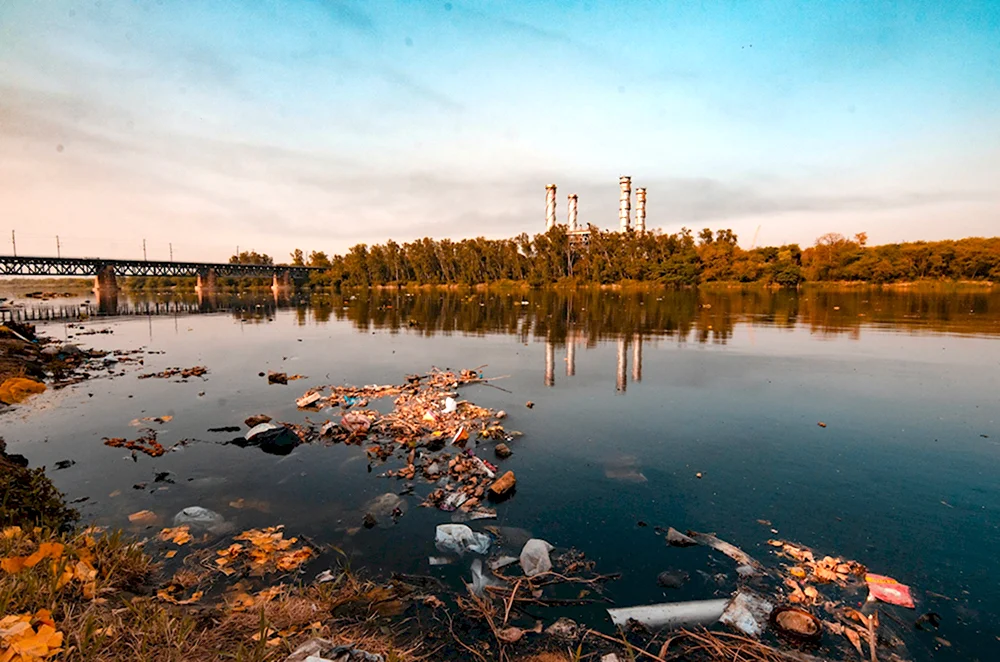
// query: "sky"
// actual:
[[200, 127]]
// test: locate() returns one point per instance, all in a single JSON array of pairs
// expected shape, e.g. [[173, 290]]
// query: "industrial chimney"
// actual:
[[625, 204], [571, 217], [640, 210], [550, 207]]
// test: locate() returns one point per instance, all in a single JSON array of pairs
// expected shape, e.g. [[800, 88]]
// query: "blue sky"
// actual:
[[321, 123]]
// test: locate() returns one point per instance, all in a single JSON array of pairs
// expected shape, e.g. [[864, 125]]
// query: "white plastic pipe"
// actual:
[[671, 614]]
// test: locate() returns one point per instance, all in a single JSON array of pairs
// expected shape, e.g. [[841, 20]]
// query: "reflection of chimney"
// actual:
[[621, 378], [550, 363], [570, 355], [625, 204], [637, 355], [550, 207], [640, 210], [571, 217]]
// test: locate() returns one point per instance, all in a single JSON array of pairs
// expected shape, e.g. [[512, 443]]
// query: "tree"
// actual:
[[298, 259]]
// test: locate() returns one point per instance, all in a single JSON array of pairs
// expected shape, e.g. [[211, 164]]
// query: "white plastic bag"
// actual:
[[535, 557]]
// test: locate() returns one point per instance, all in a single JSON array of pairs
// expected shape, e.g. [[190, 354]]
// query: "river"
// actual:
[[697, 410]]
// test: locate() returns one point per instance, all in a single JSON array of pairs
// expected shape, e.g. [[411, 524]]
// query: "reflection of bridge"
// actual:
[[621, 372], [105, 271], [110, 306]]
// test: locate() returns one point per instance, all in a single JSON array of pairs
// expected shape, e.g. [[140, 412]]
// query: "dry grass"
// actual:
[[111, 614]]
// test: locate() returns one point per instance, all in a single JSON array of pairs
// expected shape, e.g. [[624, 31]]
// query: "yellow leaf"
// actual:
[[12, 564], [171, 554], [45, 550], [12, 532]]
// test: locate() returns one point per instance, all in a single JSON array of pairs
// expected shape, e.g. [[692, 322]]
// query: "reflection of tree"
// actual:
[[704, 316]]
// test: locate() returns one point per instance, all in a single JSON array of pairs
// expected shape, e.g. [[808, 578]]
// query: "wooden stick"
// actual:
[[871, 637]]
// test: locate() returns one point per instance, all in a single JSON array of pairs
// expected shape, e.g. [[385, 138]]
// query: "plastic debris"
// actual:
[[671, 614], [197, 518], [18, 389], [481, 580], [535, 557], [678, 539], [259, 429], [386, 509], [459, 539], [889, 590], [308, 399], [450, 406], [277, 378], [356, 423], [502, 562], [731, 551], [747, 612]]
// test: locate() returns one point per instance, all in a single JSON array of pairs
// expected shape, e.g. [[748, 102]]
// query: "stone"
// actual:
[[502, 451]]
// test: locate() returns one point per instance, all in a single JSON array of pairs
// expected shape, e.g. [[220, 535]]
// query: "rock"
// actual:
[[202, 519], [502, 451], [672, 579], [254, 421], [369, 521], [564, 628], [277, 378], [535, 557], [677, 539], [503, 486]]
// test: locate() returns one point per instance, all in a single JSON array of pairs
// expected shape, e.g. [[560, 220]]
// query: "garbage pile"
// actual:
[[790, 605], [427, 428]]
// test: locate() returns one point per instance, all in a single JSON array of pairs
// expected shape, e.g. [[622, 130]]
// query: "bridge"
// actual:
[[105, 271]]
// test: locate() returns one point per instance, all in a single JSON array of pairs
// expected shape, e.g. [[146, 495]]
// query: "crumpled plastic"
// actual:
[[460, 539], [535, 557]]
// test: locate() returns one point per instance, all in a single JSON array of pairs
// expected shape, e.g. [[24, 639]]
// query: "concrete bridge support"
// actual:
[[207, 281], [104, 281]]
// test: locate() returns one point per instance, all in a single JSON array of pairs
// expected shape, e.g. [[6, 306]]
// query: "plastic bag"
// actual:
[[535, 557], [459, 539]]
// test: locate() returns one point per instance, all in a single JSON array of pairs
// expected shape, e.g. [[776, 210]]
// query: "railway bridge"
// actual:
[[106, 271]]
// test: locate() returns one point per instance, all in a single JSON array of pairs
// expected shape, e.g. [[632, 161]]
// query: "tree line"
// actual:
[[680, 259]]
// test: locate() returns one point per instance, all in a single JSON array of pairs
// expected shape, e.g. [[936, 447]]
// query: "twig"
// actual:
[[871, 637], [460, 642], [510, 602]]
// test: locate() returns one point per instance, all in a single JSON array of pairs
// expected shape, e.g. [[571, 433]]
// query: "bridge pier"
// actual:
[[281, 284], [207, 281], [105, 283]]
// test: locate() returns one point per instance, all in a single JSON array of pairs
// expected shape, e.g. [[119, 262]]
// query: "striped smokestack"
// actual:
[[640, 210], [550, 207], [571, 215], [625, 204]]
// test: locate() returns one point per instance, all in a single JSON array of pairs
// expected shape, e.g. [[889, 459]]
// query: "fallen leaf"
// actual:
[[143, 516], [171, 554]]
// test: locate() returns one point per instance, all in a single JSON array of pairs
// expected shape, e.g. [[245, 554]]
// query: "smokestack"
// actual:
[[571, 218], [550, 207], [640, 210], [625, 204]]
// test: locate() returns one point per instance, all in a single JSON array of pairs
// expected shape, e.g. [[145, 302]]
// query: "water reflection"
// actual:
[[569, 318]]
